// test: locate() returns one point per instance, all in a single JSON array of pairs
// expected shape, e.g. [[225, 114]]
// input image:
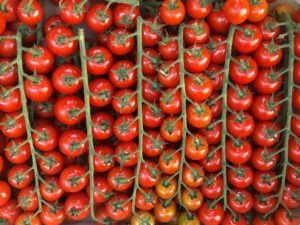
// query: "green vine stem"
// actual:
[[130, 2], [224, 113], [88, 118], [26, 118]]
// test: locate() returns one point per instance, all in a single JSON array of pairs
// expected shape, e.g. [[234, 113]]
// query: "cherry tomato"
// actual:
[[10, 99], [239, 98], [165, 212], [168, 48], [218, 21], [20, 176], [211, 214], [125, 16], [153, 144], [196, 58], [152, 30], [213, 187], [103, 218], [30, 12], [45, 137], [217, 49], [99, 18], [292, 174], [5, 193], [236, 11], [73, 178], [103, 190], [294, 150], [169, 74], [119, 207], [196, 32], [120, 179], [123, 74], [72, 11], [13, 125], [52, 216], [192, 199], [10, 211], [265, 107], [268, 54], [213, 162], [198, 9], [142, 217], [196, 147], [126, 128], [240, 200], [172, 12], [290, 196], [8, 46], [198, 87], [76, 206], [27, 199], [264, 159], [166, 187], [240, 124], [51, 22], [193, 175], [100, 60], [264, 182], [282, 217], [265, 133], [9, 10], [149, 174], [212, 133], [269, 28], [258, 10], [267, 82], [28, 218], [146, 200], [102, 91], [234, 219], [119, 41], [171, 129], [103, 160], [38, 88], [127, 153], [199, 115], [50, 189], [8, 72], [260, 221], [51, 163], [238, 151], [240, 176], [152, 116]]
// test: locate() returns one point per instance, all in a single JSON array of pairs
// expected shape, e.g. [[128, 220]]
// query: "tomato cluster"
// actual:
[[174, 112]]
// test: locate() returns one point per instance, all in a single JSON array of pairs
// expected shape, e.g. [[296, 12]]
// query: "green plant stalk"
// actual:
[[26, 118], [139, 112], [131, 2], [85, 80], [183, 111], [224, 113]]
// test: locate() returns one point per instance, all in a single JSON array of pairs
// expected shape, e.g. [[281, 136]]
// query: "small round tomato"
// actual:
[[268, 54], [290, 196], [236, 11], [102, 127], [103, 218], [45, 137], [261, 221], [73, 178], [76, 206], [171, 129], [120, 41], [296, 98], [120, 179], [238, 151], [196, 58], [8, 46], [166, 187], [142, 217], [45, 109], [239, 98], [265, 182], [196, 32], [126, 154], [240, 176], [172, 12], [170, 101], [168, 48], [10, 99], [240, 124], [119, 207], [61, 41], [10, 211], [27, 199], [5, 193], [20, 176], [234, 219], [72, 11], [264, 159], [297, 44], [283, 217], [50, 189], [258, 10], [151, 89], [102, 191], [169, 74], [213, 186], [240, 200], [193, 175], [99, 60], [68, 109], [17, 151], [51, 163], [192, 198], [211, 214], [38, 88], [199, 115], [264, 203], [150, 61], [269, 28], [72, 142], [99, 17], [217, 49], [126, 128], [102, 91], [212, 133], [265, 107], [152, 32], [215, 103], [218, 21], [13, 125], [145, 199], [125, 15], [149, 174], [294, 150], [198, 87], [9, 9], [292, 174], [296, 73], [196, 147], [54, 215], [267, 81], [198, 9], [213, 161], [266, 133], [51, 22], [30, 12], [28, 218], [125, 101], [153, 144], [169, 161], [39, 59], [165, 212], [123, 74], [103, 160], [152, 115], [8, 72]]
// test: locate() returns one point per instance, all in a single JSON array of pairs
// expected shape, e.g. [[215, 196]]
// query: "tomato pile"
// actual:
[[172, 112]]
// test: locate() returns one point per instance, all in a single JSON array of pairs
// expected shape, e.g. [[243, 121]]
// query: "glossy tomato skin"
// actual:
[[28, 216], [125, 16], [258, 10], [30, 16], [193, 176], [170, 101], [214, 187], [239, 98], [297, 44], [13, 128], [122, 213], [10, 100], [149, 174], [9, 212], [192, 199], [265, 107], [51, 22], [199, 115], [290, 196], [198, 87], [282, 218], [153, 116], [171, 129], [26, 178], [151, 37], [47, 139], [101, 60], [296, 73], [5, 193], [166, 188], [213, 162], [217, 50], [169, 74], [296, 98], [102, 216], [265, 57], [294, 150], [51, 217], [8, 46], [103, 190], [146, 202], [292, 174], [211, 216], [236, 11], [72, 142], [212, 133], [264, 182], [258, 221], [263, 159], [117, 45], [240, 125], [196, 58], [126, 128], [168, 48], [269, 28], [31, 203], [266, 81], [97, 19], [165, 214], [238, 152], [196, 147], [124, 101], [218, 22], [16, 151], [71, 12], [48, 166], [172, 12], [262, 133], [78, 202], [105, 122], [169, 161], [240, 176], [8, 74], [51, 190], [153, 144], [104, 161], [39, 89], [230, 219], [59, 41], [10, 10], [196, 32], [243, 206], [102, 91], [71, 173], [123, 74], [198, 10]]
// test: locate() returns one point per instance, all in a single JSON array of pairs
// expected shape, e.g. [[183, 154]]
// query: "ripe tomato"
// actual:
[[28, 32], [68, 109], [125, 15], [211, 214], [102, 189], [265, 182], [20, 176], [196, 147], [99, 60], [126, 153], [30, 12], [243, 70], [171, 129], [247, 38], [72, 142], [38, 88], [102, 127], [166, 187], [10, 211], [240, 124], [8, 46], [213, 187], [76, 206], [198, 87], [215, 103], [51, 163], [198, 115], [268, 54], [103, 160], [152, 116], [45, 137], [264, 159], [283, 217], [196, 32], [193, 175], [294, 150], [198, 9], [149, 174], [234, 219], [265, 133], [296, 98], [99, 18], [172, 12], [126, 128], [260, 221], [238, 151], [258, 10], [296, 73], [267, 82], [120, 179], [297, 44], [120, 41], [265, 107], [236, 11], [152, 32], [72, 11], [39, 59], [240, 200], [196, 58], [123, 74], [102, 91], [213, 161], [55, 215], [28, 218], [240, 176], [5, 193], [192, 199], [169, 74], [51, 22], [212, 133], [170, 101], [169, 161], [151, 89], [145, 199], [61, 41], [50, 189], [218, 21], [165, 212], [290, 196], [168, 48], [17, 151], [9, 10], [45, 109], [153, 144], [27, 199], [142, 217], [292, 174], [119, 207], [125, 101], [239, 98], [13, 125], [103, 218], [8, 72], [269, 28], [10, 99], [217, 49], [73, 178]]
